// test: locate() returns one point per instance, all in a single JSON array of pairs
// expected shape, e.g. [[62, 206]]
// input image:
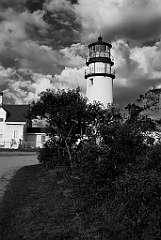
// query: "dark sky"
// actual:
[[43, 45]]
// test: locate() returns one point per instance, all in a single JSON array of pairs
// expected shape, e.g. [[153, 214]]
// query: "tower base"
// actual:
[[100, 88]]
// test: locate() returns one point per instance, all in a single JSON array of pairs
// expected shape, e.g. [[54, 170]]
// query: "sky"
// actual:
[[43, 45]]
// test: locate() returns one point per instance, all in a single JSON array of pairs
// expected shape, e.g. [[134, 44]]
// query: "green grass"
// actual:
[[39, 205], [16, 153]]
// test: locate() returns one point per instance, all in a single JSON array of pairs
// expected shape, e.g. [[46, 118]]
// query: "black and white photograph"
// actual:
[[80, 119]]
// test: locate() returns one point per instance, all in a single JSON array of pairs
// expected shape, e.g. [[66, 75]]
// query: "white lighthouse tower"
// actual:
[[99, 73]]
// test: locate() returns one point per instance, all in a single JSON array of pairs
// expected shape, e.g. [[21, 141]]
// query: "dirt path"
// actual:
[[10, 162]]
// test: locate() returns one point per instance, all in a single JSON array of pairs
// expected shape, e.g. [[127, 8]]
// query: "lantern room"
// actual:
[[99, 60]]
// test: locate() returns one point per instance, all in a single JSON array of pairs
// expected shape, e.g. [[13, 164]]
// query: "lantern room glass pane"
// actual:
[[107, 68], [97, 48], [102, 48]]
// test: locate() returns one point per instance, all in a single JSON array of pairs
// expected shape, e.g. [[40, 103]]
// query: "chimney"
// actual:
[[1, 98]]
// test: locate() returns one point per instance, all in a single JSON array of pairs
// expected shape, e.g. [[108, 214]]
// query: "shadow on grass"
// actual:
[[15, 196], [37, 205]]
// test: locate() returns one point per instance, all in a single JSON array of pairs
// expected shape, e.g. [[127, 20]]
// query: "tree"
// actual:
[[67, 116], [150, 100]]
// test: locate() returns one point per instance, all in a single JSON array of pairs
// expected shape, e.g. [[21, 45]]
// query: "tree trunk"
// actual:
[[69, 154]]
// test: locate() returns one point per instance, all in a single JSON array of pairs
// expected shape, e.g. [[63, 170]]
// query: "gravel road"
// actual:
[[10, 162]]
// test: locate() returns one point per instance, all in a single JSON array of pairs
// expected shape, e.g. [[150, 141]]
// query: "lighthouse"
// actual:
[[99, 73]]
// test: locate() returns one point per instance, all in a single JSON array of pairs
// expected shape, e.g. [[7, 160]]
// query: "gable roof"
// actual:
[[16, 113]]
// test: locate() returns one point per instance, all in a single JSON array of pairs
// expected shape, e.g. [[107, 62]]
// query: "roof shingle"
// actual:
[[16, 113]]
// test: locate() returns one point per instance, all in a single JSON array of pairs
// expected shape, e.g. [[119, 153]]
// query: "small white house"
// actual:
[[35, 136], [15, 130]]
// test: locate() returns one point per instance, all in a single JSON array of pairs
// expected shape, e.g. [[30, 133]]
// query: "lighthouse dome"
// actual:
[[100, 42]]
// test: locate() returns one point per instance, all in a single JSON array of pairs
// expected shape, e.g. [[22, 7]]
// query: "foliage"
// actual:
[[153, 160], [150, 100], [67, 114], [140, 194], [119, 178]]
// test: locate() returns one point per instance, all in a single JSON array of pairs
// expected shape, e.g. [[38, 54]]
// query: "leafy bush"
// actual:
[[153, 160], [140, 195]]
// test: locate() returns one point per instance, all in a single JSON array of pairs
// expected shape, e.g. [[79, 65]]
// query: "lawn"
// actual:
[[39, 204]]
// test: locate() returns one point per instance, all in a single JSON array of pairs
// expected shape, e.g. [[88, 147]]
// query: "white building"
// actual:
[[15, 130], [99, 73]]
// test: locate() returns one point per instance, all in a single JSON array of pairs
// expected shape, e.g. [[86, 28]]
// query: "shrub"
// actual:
[[51, 156], [153, 160]]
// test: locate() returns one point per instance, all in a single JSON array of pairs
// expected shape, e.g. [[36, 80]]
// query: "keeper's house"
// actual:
[[16, 130]]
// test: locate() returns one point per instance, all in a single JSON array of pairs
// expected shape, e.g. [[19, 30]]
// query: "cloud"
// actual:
[[70, 78], [16, 43], [134, 20], [40, 59], [58, 5], [22, 91], [45, 60], [26, 20], [5, 75], [11, 32], [136, 70], [65, 26], [75, 55], [15, 31], [18, 5]]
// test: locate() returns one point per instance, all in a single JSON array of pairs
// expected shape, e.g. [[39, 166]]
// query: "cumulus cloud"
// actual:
[[135, 71], [16, 43], [134, 20], [58, 5], [23, 91], [23, 86], [70, 78], [26, 17], [5, 75], [75, 55], [15, 33]]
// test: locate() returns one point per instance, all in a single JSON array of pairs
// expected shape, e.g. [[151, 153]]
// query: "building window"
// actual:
[[43, 139], [1, 135], [1, 119], [15, 134]]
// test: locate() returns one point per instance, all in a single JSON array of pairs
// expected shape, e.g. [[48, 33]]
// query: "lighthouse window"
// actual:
[[97, 48], [107, 68], [102, 48], [91, 81], [107, 48], [108, 51]]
